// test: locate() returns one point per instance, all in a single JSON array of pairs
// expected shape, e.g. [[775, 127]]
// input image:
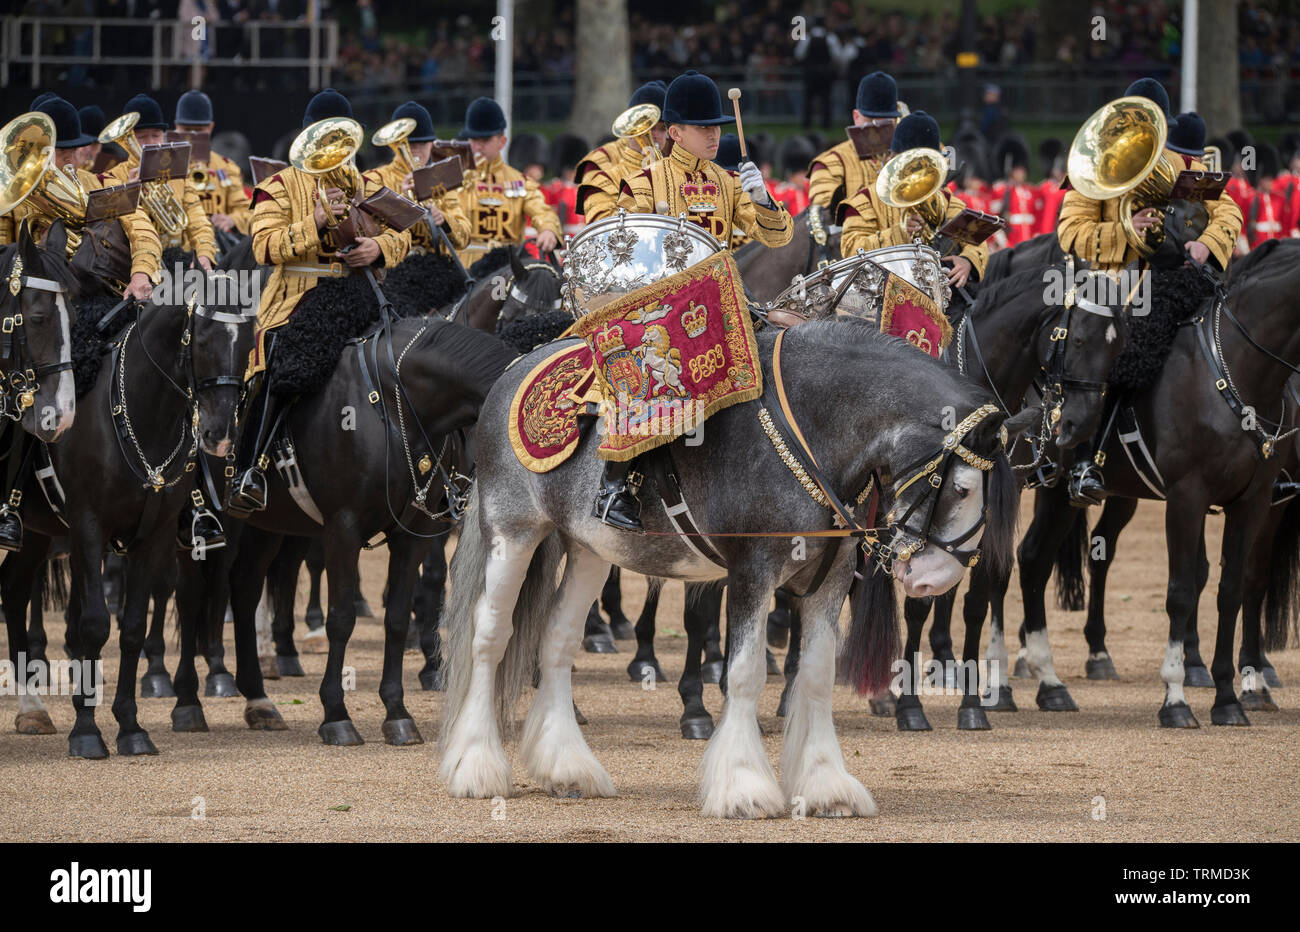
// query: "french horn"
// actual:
[[28, 174]]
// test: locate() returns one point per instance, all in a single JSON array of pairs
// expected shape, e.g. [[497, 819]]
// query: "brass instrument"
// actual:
[[914, 179], [28, 173], [393, 135], [328, 149], [634, 125], [1213, 159], [157, 196], [1120, 152], [200, 177]]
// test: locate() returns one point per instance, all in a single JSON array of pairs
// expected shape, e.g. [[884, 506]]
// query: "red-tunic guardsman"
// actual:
[[1014, 197], [561, 192], [1288, 183], [792, 191], [292, 234], [1267, 208], [601, 172], [688, 182], [1050, 193]]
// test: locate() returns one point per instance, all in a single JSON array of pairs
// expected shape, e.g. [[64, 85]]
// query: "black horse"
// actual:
[[1210, 422], [381, 475], [168, 385]]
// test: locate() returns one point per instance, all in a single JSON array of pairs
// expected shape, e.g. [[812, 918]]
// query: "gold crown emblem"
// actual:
[[700, 197], [695, 319], [609, 339]]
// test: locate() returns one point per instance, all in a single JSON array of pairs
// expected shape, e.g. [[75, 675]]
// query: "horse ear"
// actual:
[[27, 247], [56, 241], [516, 264], [1023, 420]]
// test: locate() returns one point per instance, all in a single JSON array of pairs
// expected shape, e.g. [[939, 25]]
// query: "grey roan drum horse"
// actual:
[[871, 411]]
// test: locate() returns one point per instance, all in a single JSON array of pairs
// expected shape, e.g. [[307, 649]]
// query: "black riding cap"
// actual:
[[1151, 89], [915, 131], [67, 125], [652, 92], [1187, 134], [693, 100], [423, 131], [151, 115], [194, 109], [878, 96], [484, 119], [93, 120], [328, 103], [728, 156]]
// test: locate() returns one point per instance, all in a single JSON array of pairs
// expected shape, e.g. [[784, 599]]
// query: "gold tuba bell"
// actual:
[[393, 135], [914, 179], [327, 149], [1120, 152], [28, 173], [634, 125], [157, 196]]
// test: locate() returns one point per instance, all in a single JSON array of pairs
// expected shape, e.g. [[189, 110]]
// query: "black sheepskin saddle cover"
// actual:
[[1176, 296], [528, 333], [308, 348]]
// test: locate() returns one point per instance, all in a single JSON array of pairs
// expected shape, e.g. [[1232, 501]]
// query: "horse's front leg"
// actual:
[[404, 555], [342, 546], [430, 596], [16, 591], [696, 723], [1115, 514], [813, 774], [1241, 526], [736, 778], [144, 566], [1184, 536], [88, 627], [247, 578], [156, 683]]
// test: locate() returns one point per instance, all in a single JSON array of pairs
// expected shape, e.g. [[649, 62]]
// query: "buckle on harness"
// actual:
[[1221, 384], [8, 326], [15, 498], [196, 497], [374, 398]]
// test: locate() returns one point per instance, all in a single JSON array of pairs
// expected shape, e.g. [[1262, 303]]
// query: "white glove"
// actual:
[[751, 180]]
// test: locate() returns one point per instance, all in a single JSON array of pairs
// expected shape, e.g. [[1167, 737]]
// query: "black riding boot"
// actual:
[[1087, 484], [198, 526], [247, 492], [616, 503], [11, 523]]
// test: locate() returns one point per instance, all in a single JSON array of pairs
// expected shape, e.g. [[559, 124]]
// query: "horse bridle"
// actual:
[[155, 477], [513, 291], [933, 468], [22, 380]]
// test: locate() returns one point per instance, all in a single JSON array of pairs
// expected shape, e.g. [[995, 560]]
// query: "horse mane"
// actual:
[[51, 267], [993, 291], [423, 282], [89, 345], [468, 351], [1246, 264], [497, 258]]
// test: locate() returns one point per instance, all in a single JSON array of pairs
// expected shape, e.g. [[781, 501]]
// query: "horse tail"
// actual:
[[53, 585], [1070, 594], [468, 585], [872, 644], [1282, 597]]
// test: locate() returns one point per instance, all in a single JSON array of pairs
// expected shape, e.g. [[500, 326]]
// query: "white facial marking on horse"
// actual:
[[65, 395], [1110, 333], [932, 571]]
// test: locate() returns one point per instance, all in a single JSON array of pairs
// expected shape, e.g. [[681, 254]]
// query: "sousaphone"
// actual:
[[28, 173], [1120, 152]]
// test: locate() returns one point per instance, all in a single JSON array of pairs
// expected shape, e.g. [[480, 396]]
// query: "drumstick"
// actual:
[[661, 207], [734, 94]]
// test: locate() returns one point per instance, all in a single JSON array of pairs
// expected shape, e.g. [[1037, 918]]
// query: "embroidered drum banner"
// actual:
[[670, 354], [908, 312], [544, 412]]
